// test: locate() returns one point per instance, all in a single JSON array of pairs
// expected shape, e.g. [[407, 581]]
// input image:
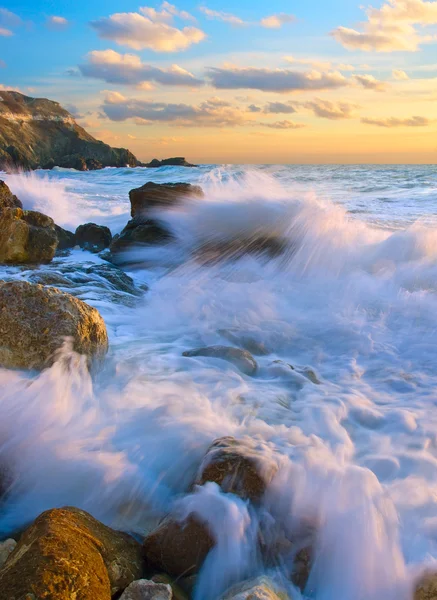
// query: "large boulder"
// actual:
[[238, 467], [139, 232], [35, 320], [66, 239], [67, 554], [144, 589], [242, 359], [7, 198], [160, 195], [262, 588], [92, 237], [26, 237]]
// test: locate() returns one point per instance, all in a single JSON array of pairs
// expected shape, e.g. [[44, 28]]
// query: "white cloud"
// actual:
[[57, 22], [283, 125], [5, 32], [128, 69], [399, 75], [276, 21], [370, 82], [331, 110], [221, 16], [320, 65], [9, 19], [395, 122], [166, 14], [150, 29], [277, 108]]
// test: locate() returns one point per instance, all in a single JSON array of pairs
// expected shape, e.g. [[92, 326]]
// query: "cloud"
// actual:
[[276, 21], [253, 108], [274, 80], [211, 113], [331, 110], [395, 122], [393, 27], [9, 19], [277, 108], [74, 111], [3, 65], [57, 22], [283, 125], [370, 83], [319, 64], [166, 14], [150, 29], [127, 69], [399, 75], [5, 32], [221, 16]]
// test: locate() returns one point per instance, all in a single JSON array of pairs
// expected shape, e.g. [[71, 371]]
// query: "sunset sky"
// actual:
[[246, 82]]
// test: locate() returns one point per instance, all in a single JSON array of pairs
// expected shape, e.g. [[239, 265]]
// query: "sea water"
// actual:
[[345, 398]]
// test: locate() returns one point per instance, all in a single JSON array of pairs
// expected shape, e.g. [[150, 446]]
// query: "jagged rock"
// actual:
[[262, 588], [140, 232], [67, 554], [66, 239], [34, 322], [6, 548], [93, 237], [237, 467], [242, 359], [26, 237], [178, 548], [177, 161], [144, 589], [7, 198], [426, 587], [162, 195], [116, 277], [93, 165]]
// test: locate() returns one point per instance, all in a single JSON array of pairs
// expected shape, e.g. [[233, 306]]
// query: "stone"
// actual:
[[246, 340], [50, 278], [261, 588], [35, 320], [302, 568], [66, 554], [93, 165], [66, 239], [426, 587], [237, 467], [140, 233], [177, 591], [92, 237], [160, 195], [26, 237], [177, 161], [116, 277], [178, 549], [6, 548], [242, 359], [144, 589], [7, 198]]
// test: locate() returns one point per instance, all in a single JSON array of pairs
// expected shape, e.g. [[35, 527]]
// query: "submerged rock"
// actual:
[[66, 239], [160, 195], [144, 589], [50, 278], [67, 554], [7, 198], [34, 322], [26, 237], [237, 467], [242, 359], [262, 588], [246, 340], [6, 548], [140, 232], [177, 161], [92, 237], [178, 548], [116, 277]]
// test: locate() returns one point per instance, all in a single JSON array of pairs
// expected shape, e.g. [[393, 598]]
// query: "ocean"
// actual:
[[345, 398]]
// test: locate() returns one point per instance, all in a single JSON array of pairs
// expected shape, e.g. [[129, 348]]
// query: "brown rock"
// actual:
[[92, 237], [426, 587], [242, 359], [7, 198], [237, 467], [162, 195], [26, 237], [35, 320], [67, 554]]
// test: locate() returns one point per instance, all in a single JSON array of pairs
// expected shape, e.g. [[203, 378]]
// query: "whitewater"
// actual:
[[344, 321]]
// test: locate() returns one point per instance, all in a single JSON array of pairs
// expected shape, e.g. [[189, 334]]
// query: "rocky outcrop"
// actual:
[[177, 161], [67, 554], [36, 132], [7, 198], [26, 237], [262, 588], [92, 237], [242, 359], [139, 232], [426, 587], [144, 589], [35, 320], [160, 195], [237, 467]]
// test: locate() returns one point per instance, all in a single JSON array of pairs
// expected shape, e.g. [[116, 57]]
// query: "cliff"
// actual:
[[36, 132]]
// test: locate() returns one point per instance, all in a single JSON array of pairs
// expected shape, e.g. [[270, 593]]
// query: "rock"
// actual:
[[426, 587], [242, 359], [73, 161], [161, 195], [237, 467], [67, 554], [177, 161], [93, 165], [262, 588], [302, 568], [26, 237], [178, 592], [178, 548], [116, 277], [50, 278], [7, 198], [140, 232], [6, 548], [93, 237], [143, 589], [247, 341], [66, 239], [34, 322]]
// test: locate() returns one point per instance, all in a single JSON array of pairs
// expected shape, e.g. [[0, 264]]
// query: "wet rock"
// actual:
[[262, 588], [237, 467], [246, 340], [26, 237], [66, 239], [7, 198], [34, 322], [50, 278], [177, 591], [92, 237], [212, 252], [116, 277], [242, 359], [160, 195], [73, 161], [302, 568], [67, 554], [426, 587], [177, 161], [178, 548], [139, 232], [6, 548], [93, 165], [144, 589]]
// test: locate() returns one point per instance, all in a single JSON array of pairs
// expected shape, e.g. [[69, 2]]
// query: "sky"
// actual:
[[225, 82]]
